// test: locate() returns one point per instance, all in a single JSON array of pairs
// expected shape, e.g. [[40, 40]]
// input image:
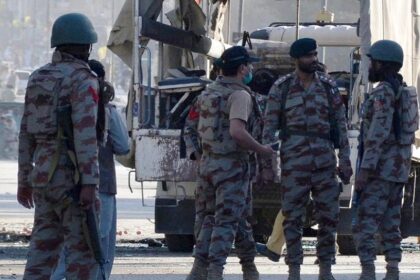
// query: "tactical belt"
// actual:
[[308, 134], [40, 138], [232, 155]]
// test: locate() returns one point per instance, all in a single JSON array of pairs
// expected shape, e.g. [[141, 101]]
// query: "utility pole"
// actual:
[[241, 15], [228, 37], [111, 60], [324, 8], [297, 18]]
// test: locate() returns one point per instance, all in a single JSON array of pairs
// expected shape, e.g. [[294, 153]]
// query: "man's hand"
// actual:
[[87, 196], [25, 197], [345, 172], [197, 156], [361, 179], [98, 204], [266, 150], [267, 176]]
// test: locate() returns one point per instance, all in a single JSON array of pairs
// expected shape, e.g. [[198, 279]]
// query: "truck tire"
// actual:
[[179, 242], [346, 245]]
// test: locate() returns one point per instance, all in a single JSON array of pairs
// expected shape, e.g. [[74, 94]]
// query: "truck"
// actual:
[[156, 111]]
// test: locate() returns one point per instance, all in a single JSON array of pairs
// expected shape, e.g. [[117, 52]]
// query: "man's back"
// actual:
[[116, 144], [64, 83]]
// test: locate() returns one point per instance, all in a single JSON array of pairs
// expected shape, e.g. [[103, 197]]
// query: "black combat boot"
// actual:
[[215, 272], [198, 271], [392, 273], [325, 271], [263, 250], [250, 271], [368, 272], [294, 272]]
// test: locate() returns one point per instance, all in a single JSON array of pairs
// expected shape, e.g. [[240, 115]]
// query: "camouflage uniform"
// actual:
[[66, 81], [308, 159], [388, 162], [255, 164], [223, 179]]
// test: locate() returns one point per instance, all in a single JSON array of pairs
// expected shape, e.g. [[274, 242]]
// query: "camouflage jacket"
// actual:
[[258, 122], [65, 82], [306, 111], [192, 137], [383, 155]]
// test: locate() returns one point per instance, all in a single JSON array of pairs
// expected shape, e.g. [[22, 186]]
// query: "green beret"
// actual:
[[302, 47]]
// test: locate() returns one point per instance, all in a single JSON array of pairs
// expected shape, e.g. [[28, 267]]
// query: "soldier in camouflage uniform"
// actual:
[[384, 159], [306, 108], [274, 246], [47, 173], [221, 117]]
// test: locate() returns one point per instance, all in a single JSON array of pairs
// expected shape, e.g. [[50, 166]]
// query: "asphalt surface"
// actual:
[[135, 259], [134, 262]]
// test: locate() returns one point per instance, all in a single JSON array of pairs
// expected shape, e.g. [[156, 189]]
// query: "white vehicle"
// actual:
[[155, 112], [21, 81]]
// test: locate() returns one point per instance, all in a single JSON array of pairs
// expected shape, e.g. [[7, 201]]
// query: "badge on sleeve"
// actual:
[[336, 96], [193, 114], [379, 103], [94, 94]]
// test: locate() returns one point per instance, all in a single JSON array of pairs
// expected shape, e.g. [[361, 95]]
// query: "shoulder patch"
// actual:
[[383, 89], [282, 79], [327, 79], [331, 86], [379, 102]]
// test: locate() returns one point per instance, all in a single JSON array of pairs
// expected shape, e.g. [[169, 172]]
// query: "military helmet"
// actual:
[[73, 28], [386, 50]]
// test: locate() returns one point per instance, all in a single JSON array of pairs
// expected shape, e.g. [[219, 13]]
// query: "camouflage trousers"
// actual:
[[379, 209], [297, 187], [222, 210], [58, 222]]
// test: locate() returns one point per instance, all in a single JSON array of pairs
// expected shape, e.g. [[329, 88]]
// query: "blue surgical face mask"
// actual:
[[248, 77]]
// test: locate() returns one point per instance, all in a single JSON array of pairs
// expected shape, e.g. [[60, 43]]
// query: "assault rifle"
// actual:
[[90, 224]]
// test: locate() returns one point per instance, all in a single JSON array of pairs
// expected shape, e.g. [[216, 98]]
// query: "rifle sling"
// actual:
[[56, 157], [286, 132]]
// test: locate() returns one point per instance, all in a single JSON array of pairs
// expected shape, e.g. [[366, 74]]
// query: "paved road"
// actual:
[[133, 217], [158, 264], [136, 222]]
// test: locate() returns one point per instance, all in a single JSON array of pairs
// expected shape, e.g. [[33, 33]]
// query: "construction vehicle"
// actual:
[[156, 112]]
